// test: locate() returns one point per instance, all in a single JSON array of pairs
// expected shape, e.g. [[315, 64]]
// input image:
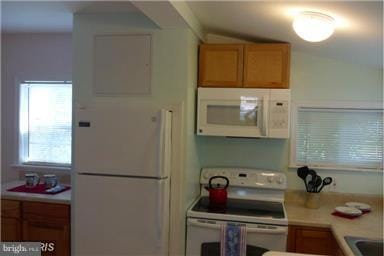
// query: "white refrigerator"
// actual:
[[122, 172]]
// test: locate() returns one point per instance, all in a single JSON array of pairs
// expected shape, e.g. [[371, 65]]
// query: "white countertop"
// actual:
[[60, 198]]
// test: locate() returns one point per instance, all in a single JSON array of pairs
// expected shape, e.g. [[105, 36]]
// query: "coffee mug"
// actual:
[[50, 180], [31, 180]]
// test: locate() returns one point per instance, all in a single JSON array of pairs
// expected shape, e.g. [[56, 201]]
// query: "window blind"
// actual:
[[337, 137], [46, 122]]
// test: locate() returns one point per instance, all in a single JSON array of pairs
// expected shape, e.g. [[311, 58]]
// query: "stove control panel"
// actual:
[[244, 177]]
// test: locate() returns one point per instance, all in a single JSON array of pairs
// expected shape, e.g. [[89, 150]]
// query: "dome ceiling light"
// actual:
[[313, 26]]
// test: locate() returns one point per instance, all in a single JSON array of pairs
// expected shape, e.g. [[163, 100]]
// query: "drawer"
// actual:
[[10, 208], [47, 210]]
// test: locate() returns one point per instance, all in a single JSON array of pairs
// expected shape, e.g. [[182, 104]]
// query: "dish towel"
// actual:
[[233, 240]]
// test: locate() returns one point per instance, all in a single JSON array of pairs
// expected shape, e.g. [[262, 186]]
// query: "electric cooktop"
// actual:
[[242, 207]]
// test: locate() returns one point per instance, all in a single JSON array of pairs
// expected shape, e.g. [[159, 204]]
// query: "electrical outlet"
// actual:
[[333, 186]]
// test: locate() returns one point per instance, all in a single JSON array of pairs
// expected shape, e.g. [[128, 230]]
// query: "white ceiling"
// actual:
[[358, 38], [52, 16]]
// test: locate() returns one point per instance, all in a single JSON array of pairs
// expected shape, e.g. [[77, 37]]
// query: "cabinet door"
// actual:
[[10, 221], [311, 240], [221, 65], [47, 223], [48, 231], [122, 64], [10, 229], [266, 65]]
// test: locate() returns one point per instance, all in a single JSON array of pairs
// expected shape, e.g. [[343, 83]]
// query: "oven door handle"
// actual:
[[273, 230]]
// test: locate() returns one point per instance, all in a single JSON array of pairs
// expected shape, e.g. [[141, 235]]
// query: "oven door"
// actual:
[[203, 237], [241, 115]]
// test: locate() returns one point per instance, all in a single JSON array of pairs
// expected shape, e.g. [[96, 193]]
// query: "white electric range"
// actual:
[[255, 199]]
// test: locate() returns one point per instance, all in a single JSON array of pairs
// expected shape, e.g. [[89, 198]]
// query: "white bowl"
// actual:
[[350, 211], [360, 206]]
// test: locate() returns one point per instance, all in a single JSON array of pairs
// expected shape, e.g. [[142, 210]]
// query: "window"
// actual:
[[339, 138], [45, 123]]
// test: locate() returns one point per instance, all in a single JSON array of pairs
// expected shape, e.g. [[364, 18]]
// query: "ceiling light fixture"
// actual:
[[313, 26]]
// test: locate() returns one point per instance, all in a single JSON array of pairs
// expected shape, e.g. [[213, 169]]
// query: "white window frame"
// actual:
[[17, 162], [295, 105]]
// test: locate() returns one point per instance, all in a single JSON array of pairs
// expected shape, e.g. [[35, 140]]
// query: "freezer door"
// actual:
[[120, 216], [122, 141]]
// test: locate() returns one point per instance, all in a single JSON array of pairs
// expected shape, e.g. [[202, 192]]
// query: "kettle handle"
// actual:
[[218, 177]]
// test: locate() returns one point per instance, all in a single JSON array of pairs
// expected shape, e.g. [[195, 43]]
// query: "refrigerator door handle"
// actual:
[[160, 213], [165, 131]]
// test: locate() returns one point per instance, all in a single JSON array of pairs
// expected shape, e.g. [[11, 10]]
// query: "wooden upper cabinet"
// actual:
[[221, 65], [266, 65], [244, 65]]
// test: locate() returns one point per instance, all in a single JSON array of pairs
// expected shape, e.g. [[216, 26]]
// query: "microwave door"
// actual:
[[265, 116], [238, 118]]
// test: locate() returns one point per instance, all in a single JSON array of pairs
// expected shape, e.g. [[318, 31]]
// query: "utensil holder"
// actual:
[[312, 200]]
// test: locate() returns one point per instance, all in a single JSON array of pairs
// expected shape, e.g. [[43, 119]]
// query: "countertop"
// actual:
[[272, 253], [368, 225], [60, 198]]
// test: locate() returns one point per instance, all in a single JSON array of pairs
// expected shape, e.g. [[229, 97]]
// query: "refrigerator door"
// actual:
[[121, 216], [122, 141]]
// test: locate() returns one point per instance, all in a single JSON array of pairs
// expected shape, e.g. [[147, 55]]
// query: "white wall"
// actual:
[[28, 57]]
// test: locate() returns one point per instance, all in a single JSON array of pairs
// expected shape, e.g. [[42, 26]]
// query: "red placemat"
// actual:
[[339, 214], [39, 189]]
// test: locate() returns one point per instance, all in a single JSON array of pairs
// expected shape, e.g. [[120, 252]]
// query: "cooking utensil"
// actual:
[[308, 183], [311, 184], [302, 172], [318, 181], [326, 181], [217, 195]]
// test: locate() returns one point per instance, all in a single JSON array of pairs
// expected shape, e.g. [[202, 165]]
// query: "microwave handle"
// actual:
[[265, 116], [274, 230]]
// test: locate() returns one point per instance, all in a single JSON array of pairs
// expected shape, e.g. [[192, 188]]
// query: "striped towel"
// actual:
[[233, 240]]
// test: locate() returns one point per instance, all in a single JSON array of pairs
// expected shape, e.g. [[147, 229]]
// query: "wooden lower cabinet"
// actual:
[[40, 222], [10, 220], [312, 240], [49, 224], [10, 229]]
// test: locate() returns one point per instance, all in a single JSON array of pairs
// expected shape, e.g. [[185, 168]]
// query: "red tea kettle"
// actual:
[[217, 195]]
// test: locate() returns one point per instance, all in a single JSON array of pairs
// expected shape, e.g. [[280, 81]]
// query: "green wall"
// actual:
[[192, 169], [313, 78], [317, 78]]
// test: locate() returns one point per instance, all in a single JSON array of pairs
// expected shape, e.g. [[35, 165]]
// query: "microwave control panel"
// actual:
[[279, 114]]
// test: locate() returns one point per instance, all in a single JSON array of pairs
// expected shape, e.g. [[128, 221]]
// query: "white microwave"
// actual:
[[236, 112]]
